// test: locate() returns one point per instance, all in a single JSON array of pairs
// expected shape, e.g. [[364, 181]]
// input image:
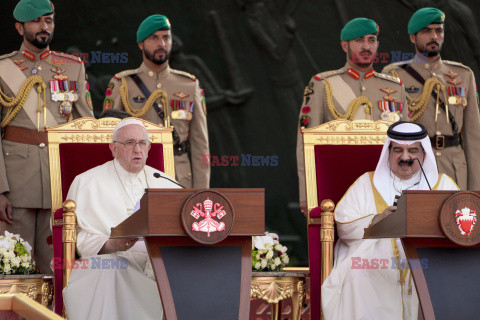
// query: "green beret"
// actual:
[[150, 25], [357, 28], [28, 10], [423, 17]]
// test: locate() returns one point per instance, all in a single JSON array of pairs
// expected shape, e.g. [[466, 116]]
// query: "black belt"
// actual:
[[440, 142], [181, 148]]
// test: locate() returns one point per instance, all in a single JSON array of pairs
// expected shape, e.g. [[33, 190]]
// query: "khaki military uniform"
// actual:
[[341, 87], [24, 168], [459, 161], [186, 104]]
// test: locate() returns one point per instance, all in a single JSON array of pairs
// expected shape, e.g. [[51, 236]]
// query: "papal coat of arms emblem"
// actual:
[[208, 224], [207, 216], [466, 219]]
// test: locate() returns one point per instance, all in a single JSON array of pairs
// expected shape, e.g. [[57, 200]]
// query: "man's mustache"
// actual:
[[433, 42], [366, 51], [407, 162], [43, 33]]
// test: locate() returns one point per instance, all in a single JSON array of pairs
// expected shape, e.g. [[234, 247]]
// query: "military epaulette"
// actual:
[[125, 73], [185, 74], [387, 77], [326, 74], [394, 65], [458, 64], [8, 55], [66, 55]]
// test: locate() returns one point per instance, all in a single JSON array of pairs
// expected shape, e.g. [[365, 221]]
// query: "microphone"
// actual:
[[396, 200], [410, 162], [158, 175]]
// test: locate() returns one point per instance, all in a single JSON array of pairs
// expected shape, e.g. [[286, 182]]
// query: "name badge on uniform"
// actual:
[[456, 96]]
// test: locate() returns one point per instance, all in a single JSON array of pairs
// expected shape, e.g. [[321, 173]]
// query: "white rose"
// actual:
[[7, 268], [284, 249], [277, 261], [258, 265], [272, 266], [285, 259], [269, 254], [15, 262], [274, 236], [264, 263], [278, 247]]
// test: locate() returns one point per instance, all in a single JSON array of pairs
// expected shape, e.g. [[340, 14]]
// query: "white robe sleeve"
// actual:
[[355, 210]]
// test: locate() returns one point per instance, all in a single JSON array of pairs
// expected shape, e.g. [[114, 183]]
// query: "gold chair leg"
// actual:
[[276, 310]]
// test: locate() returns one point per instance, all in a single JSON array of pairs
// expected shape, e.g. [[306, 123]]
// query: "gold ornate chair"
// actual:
[[336, 154], [74, 148]]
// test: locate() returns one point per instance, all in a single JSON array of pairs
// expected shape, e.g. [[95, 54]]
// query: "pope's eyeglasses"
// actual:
[[131, 144]]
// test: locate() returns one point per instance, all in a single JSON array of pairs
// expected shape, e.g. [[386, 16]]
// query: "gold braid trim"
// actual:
[[403, 273], [418, 106], [140, 113], [352, 108], [15, 104]]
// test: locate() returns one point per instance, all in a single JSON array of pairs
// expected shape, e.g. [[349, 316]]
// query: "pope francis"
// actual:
[[115, 280], [370, 278]]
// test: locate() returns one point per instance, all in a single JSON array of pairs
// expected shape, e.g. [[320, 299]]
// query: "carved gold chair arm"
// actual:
[[327, 237], [69, 240]]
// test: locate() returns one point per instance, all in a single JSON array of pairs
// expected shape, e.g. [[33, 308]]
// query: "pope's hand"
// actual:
[[5, 210], [388, 211], [120, 244]]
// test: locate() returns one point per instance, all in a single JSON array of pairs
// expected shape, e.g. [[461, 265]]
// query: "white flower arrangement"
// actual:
[[15, 255], [268, 254]]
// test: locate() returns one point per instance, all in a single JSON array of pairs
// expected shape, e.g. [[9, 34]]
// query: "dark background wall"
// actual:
[[253, 58]]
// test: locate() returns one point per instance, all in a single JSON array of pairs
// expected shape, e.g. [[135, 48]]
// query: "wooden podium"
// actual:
[[203, 274], [444, 262]]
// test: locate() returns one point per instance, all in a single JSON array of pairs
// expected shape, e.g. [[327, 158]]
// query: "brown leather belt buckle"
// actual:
[[440, 142]]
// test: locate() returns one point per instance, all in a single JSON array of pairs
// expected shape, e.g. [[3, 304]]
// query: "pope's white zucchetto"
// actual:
[[126, 122]]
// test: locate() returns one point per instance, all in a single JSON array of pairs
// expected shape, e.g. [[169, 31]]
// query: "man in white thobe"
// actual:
[[370, 278], [115, 279]]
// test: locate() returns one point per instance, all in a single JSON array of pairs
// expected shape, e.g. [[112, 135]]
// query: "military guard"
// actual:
[[38, 88], [442, 96], [353, 92], [157, 93]]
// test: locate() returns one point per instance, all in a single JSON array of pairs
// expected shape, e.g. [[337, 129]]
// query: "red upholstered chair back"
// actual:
[[78, 146], [336, 154], [76, 158], [337, 172]]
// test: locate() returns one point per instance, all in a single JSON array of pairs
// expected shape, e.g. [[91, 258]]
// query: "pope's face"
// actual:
[[400, 154], [131, 159], [429, 40], [361, 51], [38, 32], [157, 47]]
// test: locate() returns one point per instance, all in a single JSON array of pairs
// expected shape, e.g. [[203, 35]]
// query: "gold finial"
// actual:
[[327, 205], [69, 206]]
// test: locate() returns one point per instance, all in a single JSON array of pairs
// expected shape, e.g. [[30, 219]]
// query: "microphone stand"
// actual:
[[410, 162]]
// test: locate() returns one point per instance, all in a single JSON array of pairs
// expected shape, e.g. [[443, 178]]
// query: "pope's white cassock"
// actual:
[[368, 280], [109, 289]]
